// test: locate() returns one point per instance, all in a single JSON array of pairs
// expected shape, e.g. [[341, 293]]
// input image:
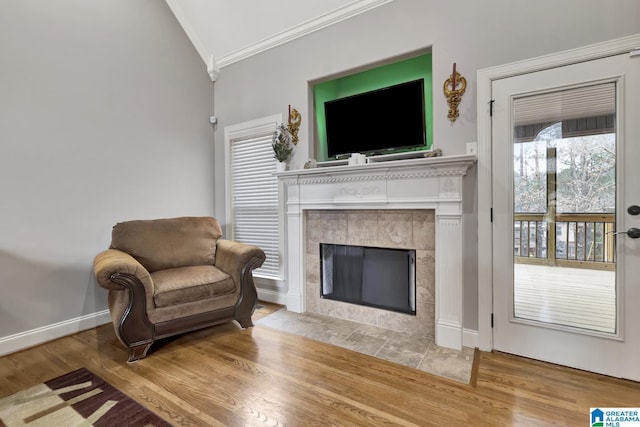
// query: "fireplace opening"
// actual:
[[377, 277]]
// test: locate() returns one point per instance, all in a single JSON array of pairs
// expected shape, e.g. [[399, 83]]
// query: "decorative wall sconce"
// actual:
[[454, 88], [294, 124]]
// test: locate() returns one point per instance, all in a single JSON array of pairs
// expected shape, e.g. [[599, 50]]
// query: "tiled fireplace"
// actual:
[[412, 204], [402, 229]]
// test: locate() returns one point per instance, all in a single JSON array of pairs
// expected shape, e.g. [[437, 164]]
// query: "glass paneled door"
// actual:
[[564, 193], [564, 287]]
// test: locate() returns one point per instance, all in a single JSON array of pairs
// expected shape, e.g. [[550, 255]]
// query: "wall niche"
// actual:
[[365, 80]]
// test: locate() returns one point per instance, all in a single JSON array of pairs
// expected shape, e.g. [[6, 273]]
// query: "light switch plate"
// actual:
[[472, 148]]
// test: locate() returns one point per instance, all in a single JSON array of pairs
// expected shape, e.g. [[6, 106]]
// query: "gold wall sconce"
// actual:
[[454, 88], [294, 124]]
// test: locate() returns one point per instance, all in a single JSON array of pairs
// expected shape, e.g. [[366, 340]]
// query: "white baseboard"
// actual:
[[22, 340], [449, 334], [469, 338], [272, 296]]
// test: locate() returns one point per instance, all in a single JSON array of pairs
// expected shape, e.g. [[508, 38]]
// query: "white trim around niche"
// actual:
[[485, 77]]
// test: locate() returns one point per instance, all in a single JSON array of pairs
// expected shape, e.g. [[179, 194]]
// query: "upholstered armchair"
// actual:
[[169, 276]]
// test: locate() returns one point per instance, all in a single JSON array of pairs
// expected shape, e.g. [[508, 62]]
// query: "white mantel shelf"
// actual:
[[425, 183], [459, 162]]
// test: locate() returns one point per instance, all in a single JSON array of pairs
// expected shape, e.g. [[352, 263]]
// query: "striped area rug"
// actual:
[[78, 398]]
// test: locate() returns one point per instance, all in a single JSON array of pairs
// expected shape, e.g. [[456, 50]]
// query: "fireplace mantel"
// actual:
[[425, 183]]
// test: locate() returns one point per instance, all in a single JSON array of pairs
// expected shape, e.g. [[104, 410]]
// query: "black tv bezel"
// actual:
[[333, 153]]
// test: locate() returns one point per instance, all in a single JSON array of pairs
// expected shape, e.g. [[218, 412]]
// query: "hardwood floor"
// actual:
[[262, 377]]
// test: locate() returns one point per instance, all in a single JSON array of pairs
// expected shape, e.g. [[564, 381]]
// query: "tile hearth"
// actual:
[[401, 348]]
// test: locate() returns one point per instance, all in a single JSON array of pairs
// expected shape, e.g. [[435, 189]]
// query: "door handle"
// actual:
[[633, 232], [633, 210]]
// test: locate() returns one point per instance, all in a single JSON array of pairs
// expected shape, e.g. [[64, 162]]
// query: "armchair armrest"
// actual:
[[130, 293], [238, 260], [232, 257], [112, 261]]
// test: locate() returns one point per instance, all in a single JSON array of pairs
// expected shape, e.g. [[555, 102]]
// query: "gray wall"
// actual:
[[104, 108], [474, 34]]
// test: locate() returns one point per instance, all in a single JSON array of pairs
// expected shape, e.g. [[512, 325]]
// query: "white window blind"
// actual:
[[254, 199], [586, 101]]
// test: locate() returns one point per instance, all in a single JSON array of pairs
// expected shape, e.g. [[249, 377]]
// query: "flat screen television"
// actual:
[[376, 122]]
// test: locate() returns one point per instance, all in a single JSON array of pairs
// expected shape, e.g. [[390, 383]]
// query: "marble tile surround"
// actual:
[[403, 229]]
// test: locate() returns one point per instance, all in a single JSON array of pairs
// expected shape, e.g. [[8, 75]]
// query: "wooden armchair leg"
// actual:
[[245, 322], [137, 352]]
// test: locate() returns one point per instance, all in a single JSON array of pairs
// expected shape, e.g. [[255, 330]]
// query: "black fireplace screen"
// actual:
[[377, 277]]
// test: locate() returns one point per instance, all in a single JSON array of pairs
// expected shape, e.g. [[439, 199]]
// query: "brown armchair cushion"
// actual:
[[168, 243], [187, 284]]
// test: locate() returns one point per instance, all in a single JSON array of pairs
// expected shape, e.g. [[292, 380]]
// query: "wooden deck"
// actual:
[[576, 297]]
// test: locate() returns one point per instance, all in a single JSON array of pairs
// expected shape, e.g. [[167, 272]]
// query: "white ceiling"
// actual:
[[227, 31]]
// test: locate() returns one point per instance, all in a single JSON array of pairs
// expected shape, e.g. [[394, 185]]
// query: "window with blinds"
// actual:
[[254, 199], [586, 110]]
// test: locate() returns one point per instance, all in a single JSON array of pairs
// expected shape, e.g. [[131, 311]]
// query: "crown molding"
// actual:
[[213, 69], [185, 23], [215, 64], [337, 15]]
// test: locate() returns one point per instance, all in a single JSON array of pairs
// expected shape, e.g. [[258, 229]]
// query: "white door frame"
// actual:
[[485, 77]]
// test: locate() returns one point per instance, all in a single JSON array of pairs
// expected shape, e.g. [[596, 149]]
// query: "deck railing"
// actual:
[[581, 240]]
